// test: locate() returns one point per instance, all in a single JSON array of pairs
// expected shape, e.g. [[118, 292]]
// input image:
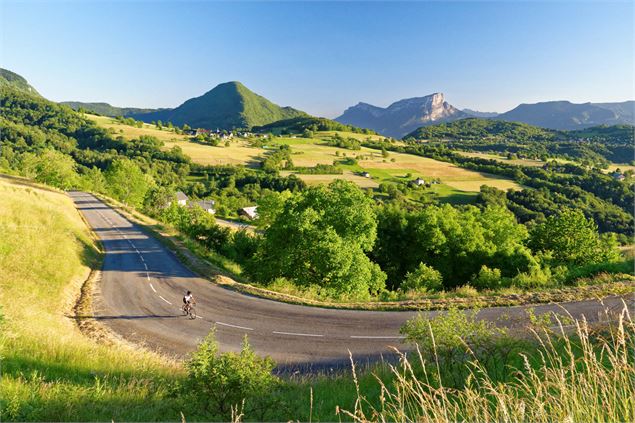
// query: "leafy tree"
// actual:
[[93, 180], [56, 169], [572, 239], [320, 238], [127, 182]]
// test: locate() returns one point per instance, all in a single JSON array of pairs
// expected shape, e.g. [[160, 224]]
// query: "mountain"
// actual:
[[105, 109], [403, 116], [567, 115], [11, 79], [227, 106], [480, 114]]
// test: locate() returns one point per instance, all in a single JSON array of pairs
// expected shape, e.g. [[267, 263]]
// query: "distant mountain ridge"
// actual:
[[12, 79], [403, 116], [227, 106], [478, 114], [569, 116], [106, 109]]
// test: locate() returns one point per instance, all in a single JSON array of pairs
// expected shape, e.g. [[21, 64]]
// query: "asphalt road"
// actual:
[[139, 297]]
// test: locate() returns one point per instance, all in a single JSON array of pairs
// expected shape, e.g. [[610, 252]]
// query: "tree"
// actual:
[[56, 169], [320, 238], [571, 239], [126, 182]]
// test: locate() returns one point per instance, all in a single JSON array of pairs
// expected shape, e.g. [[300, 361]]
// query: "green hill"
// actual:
[[302, 123], [476, 128], [105, 109], [11, 79], [228, 106]]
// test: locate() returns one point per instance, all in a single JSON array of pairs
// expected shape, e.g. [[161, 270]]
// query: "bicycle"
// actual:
[[189, 310]]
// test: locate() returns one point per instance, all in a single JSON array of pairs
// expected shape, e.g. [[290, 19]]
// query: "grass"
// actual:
[[50, 371], [132, 132]]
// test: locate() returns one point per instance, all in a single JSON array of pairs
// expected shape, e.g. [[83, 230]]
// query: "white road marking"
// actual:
[[146, 266], [153, 288], [232, 326], [376, 337], [297, 334], [165, 300], [198, 317], [147, 276], [142, 259]]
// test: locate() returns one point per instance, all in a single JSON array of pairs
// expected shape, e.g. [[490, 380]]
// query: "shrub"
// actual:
[[488, 278], [450, 330], [217, 382], [424, 278]]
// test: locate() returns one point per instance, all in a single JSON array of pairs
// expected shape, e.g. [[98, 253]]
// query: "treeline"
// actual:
[[300, 124]]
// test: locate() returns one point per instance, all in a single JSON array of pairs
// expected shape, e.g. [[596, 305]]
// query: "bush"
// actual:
[[488, 278], [217, 382], [451, 330], [425, 278]]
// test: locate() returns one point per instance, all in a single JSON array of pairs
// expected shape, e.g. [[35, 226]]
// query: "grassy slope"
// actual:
[[49, 370]]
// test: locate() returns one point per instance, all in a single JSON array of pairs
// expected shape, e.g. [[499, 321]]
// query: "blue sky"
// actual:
[[322, 57]]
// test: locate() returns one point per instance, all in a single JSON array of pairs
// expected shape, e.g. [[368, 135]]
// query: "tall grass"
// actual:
[[583, 376], [50, 371]]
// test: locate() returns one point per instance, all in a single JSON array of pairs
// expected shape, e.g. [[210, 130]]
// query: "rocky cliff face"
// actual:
[[403, 116]]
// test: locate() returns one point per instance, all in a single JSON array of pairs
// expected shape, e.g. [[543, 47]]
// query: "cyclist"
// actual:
[[188, 301]]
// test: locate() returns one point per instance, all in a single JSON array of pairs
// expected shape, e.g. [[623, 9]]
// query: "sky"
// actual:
[[322, 57]]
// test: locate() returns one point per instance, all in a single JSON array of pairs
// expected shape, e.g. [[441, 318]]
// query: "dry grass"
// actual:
[[581, 377], [237, 153], [132, 132], [326, 179], [519, 162]]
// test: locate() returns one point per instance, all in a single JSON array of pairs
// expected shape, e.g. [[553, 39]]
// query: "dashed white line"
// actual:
[[151, 286], [165, 300], [232, 326], [298, 334], [376, 337], [141, 257], [147, 276], [146, 266]]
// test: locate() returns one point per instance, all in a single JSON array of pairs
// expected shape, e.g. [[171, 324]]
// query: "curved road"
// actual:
[[139, 297]]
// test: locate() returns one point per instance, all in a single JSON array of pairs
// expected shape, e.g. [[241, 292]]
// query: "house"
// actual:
[[418, 182], [201, 131], [207, 205], [181, 198], [249, 212], [618, 176], [365, 174]]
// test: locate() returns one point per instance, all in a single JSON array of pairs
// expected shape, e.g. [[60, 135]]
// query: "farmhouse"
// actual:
[[365, 174], [207, 205], [249, 212], [181, 198], [618, 176], [418, 182]]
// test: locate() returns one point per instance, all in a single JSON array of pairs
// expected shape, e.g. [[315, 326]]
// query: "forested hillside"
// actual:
[[601, 144]]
